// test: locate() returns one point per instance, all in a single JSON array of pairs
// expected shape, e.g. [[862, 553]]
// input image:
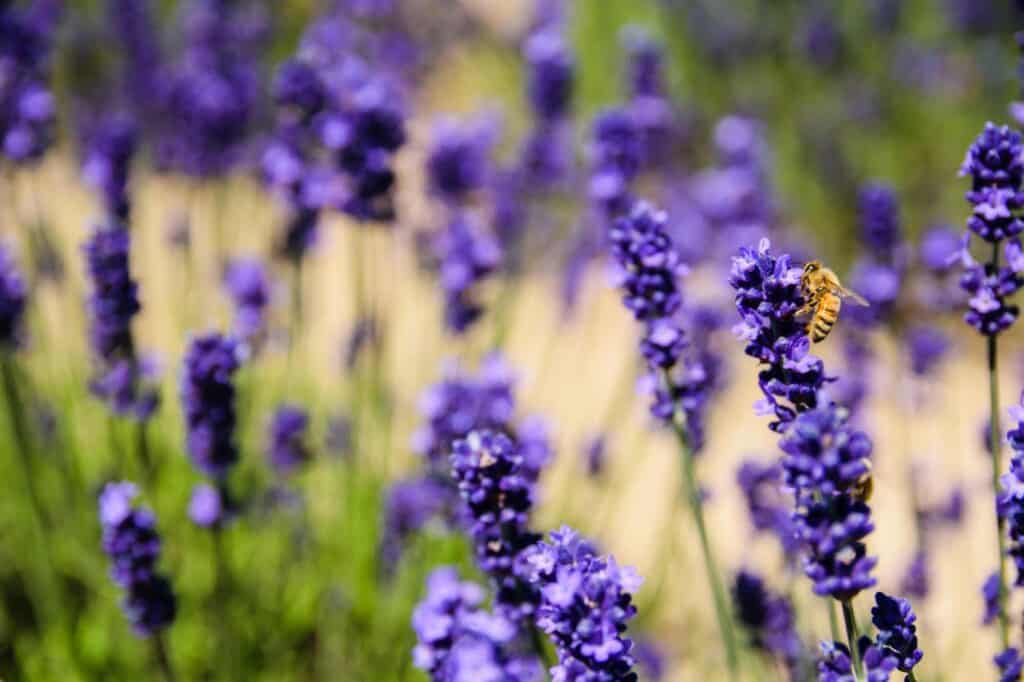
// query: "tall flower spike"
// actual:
[[287, 449], [247, 283], [767, 297], [133, 545], [894, 622], [466, 255], [498, 491], [208, 401], [113, 303]]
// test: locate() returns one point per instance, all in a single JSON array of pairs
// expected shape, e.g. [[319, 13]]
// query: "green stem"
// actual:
[[162, 659], [691, 492], [16, 415], [995, 445], [142, 445], [911, 677], [851, 637]]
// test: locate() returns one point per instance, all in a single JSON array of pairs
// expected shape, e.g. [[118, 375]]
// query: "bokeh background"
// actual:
[[843, 94]]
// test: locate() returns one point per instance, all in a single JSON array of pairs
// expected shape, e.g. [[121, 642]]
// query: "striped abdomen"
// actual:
[[824, 317]]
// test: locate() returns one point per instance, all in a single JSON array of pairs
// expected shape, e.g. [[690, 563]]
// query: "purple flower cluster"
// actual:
[[1010, 503], [208, 401], [13, 299], [287, 448], [616, 153], [547, 150], [27, 106], [835, 664], [927, 345], [248, 284], [996, 167], [107, 161], [768, 618], [823, 462], [457, 641], [461, 402], [879, 274], [498, 489], [649, 104], [131, 541], [1010, 665], [457, 162], [206, 507], [767, 509], [466, 255], [208, 98], [409, 506], [586, 603], [767, 297], [113, 303], [896, 632]]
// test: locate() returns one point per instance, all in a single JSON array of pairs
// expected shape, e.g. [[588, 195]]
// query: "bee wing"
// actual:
[[852, 295]]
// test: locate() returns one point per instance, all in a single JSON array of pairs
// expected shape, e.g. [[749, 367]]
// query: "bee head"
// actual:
[[812, 266]]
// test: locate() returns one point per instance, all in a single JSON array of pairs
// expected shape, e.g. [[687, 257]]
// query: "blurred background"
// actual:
[[817, 124]]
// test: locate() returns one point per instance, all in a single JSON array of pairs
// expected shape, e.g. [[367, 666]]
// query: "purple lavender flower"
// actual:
[[461, 402], [550, 76], [767, 298], [835, 664], [210, 94], [287, 449], [248, 285], [917, 580], [498, 491], [768, 618], [896, 632], [107, 162], [652, 111], [13, 299], [466, 256], [824, 460], [458, 642], [595, 455], [927, 346], [586, 602], [990, 594], [546, 153], [208, 401], [27, 105], [650, 266], [410, 505], [113, 303], [457, 161], [996, 166], [205, 508], [616, 154], [880, 220], [135, 28], [765, 505], [938, 249], [133, 545], [1010, 665]]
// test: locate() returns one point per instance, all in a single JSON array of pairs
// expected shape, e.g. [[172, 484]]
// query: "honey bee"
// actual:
[[864, 485], [823, 297]]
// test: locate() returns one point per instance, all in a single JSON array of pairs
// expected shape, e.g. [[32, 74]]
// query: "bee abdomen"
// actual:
[[820, 328]]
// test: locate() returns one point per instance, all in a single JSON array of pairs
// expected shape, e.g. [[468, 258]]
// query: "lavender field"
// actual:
[[510, 342]]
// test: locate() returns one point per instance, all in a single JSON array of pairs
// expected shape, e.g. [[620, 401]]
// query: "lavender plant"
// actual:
[[649, 272], [995, 165]]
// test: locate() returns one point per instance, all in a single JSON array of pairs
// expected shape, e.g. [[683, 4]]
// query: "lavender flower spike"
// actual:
[[208, 401], [133, 545], [13, 299], [248, 284], [896, 632], [287, 449]]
